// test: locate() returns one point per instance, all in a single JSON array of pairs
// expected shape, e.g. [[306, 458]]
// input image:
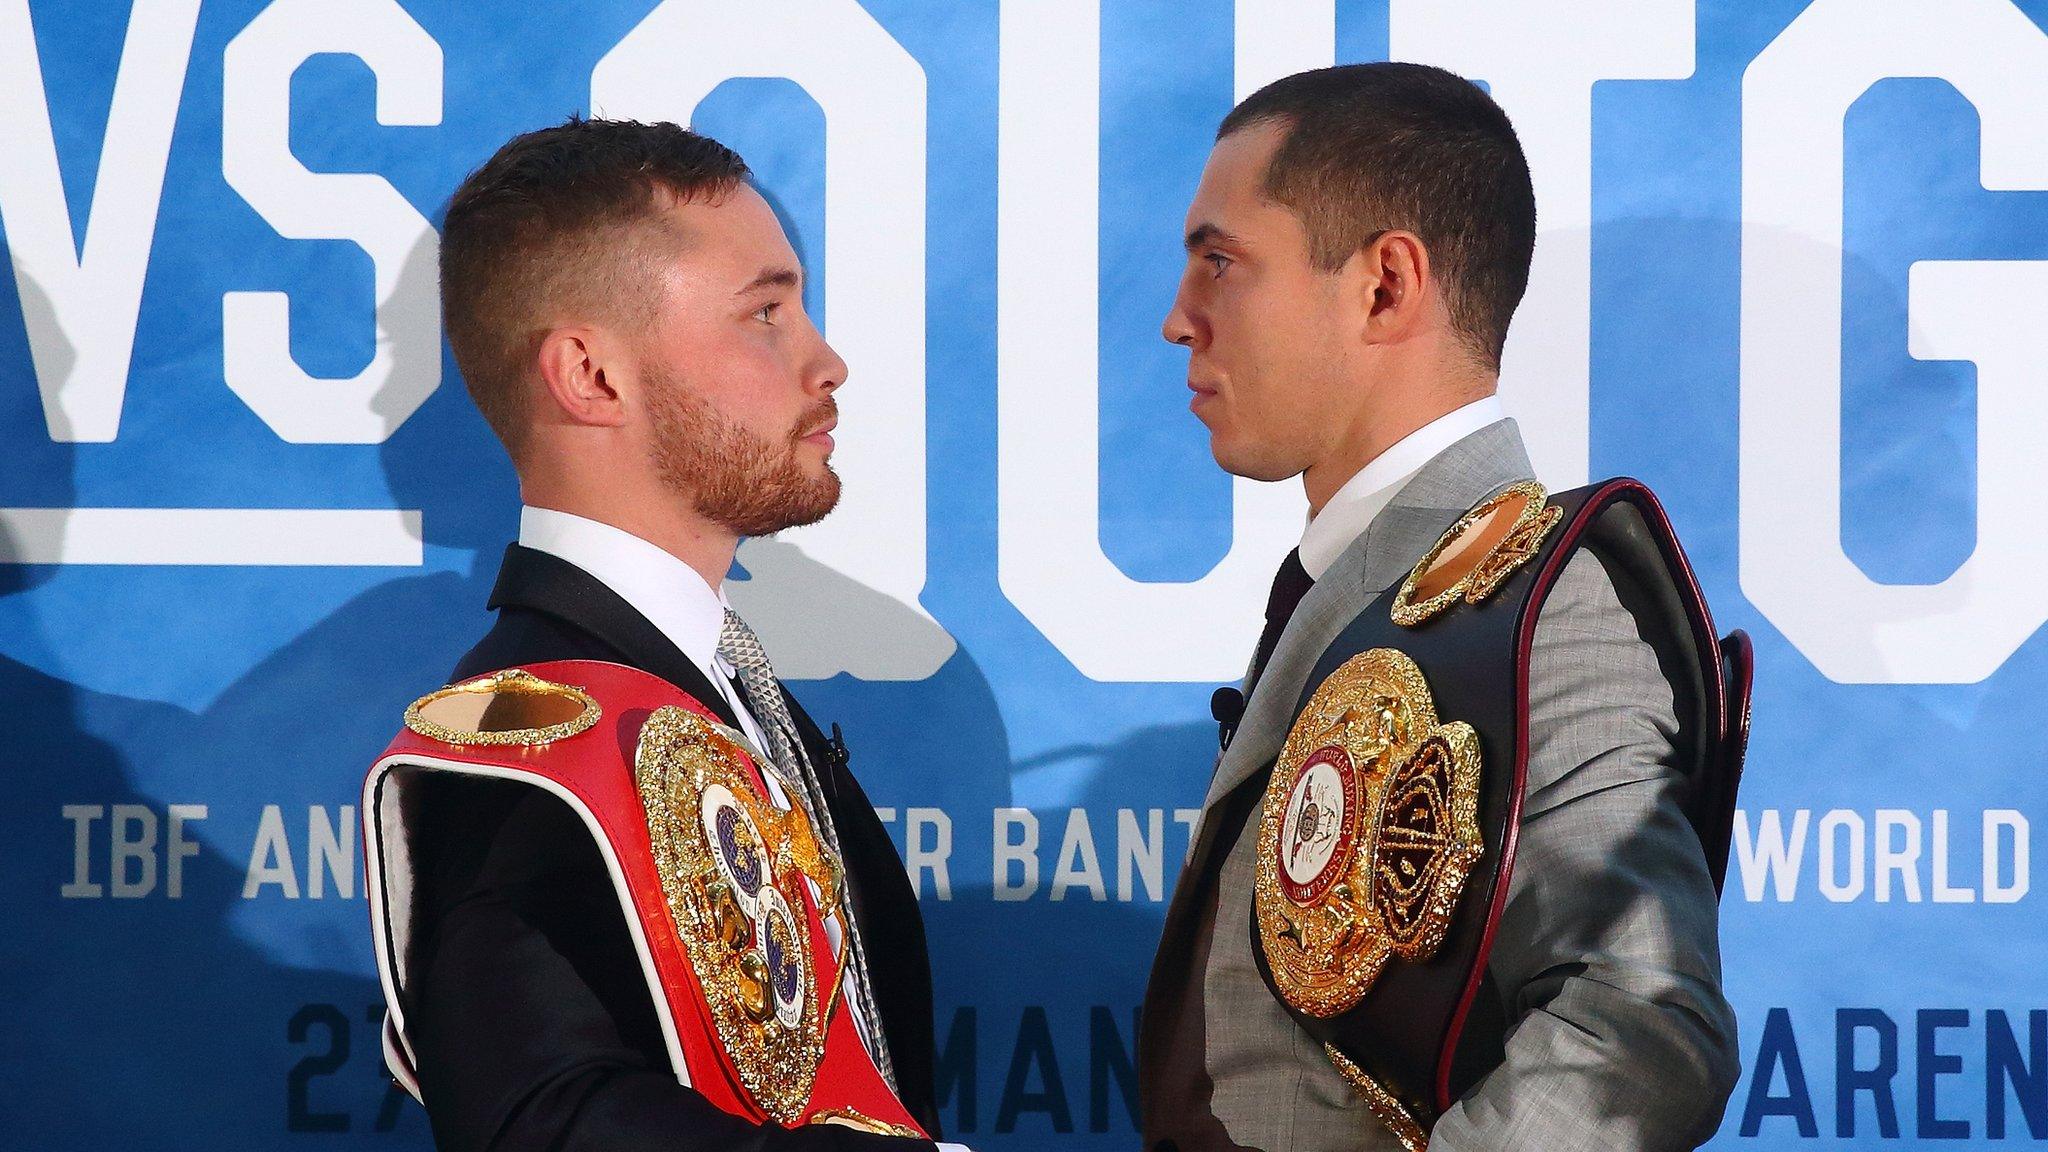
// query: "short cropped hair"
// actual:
[[561, 221], [1371, 147]]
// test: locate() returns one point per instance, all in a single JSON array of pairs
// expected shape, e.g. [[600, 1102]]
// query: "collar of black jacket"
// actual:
[[542, 582]]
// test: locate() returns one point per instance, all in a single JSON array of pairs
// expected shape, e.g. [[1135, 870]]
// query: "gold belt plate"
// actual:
[[1369, 828], [732, 869]]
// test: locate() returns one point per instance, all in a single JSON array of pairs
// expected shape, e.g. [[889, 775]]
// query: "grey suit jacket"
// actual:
[[1607, 953]]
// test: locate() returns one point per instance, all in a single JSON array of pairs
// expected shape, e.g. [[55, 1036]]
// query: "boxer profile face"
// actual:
[[737, 382], [1266, 330]]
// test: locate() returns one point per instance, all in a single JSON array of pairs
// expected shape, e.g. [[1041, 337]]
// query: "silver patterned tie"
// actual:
[[738, 646]]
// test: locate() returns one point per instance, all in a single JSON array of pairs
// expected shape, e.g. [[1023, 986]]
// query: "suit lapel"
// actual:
[[1441, 491], [543, 582]]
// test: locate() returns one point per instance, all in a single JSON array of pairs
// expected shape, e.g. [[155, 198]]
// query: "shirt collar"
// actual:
[[1374, 486], [672, 595]]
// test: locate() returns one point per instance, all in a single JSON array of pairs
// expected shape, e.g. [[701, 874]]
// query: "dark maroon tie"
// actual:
[[1290, 584]]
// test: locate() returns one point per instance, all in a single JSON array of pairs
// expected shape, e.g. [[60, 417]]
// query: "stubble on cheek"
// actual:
[[747, 484]]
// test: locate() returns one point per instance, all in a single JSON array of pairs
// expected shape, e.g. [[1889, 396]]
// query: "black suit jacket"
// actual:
[[533, 1024]]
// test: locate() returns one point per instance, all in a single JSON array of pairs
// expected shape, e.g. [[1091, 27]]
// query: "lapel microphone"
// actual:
[[1227, 706]]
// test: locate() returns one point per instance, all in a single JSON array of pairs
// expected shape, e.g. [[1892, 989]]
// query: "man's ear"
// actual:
[[1393, 281], [574, 372]]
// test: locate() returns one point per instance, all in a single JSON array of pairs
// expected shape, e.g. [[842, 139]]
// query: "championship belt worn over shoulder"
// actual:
[[725, 892], [1386, 839]]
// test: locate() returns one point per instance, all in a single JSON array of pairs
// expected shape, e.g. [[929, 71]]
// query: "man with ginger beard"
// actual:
[[628, 316]]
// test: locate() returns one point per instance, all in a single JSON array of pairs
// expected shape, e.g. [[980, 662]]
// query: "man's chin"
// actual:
[[828, 499], [780, 505], [1240, 460], [816, 503]]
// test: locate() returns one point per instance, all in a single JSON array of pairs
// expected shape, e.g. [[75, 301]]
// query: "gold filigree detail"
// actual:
[[509, 707], [682, 759], [1382, 1103], [1369, 828], [792, 828], [861, 1121], [1476, 555]]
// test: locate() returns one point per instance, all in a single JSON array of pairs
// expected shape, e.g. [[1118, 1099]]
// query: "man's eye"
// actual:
[[766, 313], [1218, 261]]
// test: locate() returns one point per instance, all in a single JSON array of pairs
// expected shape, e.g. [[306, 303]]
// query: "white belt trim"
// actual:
[[398, 1051]]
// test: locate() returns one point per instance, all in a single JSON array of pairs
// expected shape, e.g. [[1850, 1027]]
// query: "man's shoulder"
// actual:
[[527, 636], [463, 821], [524, 633], [1619, 590], [1585, 602], [1607, 684]]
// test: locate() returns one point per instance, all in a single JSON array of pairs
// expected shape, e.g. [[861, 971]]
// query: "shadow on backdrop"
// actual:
[[138, 1007]]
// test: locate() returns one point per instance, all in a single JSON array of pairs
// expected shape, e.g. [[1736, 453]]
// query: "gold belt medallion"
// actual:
[[1370, 826], [733, 868], [1476, 555], [512, 707]]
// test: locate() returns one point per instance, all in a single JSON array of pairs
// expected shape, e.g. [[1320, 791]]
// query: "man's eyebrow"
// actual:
[[773, 278], [1206, 234]]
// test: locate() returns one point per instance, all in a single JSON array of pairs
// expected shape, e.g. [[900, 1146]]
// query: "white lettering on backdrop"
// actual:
[[256, 158], [80, 308], [1794, 569], [1048, 476], [81, 300]]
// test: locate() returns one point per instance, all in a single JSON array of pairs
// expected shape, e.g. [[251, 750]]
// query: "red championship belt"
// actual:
[[725, 889]]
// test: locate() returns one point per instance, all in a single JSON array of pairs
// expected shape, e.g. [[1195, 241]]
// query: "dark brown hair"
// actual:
[[1371, 147], [560, 221]]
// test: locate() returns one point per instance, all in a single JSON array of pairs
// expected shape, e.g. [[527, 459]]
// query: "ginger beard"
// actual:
[[740, 481]]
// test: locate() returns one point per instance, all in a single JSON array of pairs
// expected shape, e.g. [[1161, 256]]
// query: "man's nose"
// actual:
[[1179, 326], [831, 372]]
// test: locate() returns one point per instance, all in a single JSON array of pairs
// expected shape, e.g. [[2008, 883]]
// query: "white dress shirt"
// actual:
[[675, 598], [671, 594], [1374, 486]]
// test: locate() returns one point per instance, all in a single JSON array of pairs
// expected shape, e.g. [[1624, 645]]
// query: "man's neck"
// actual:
[[1376, 431], [1322, 479], [707, 548]]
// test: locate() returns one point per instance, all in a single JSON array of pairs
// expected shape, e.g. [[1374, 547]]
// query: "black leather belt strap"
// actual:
[[1429, 1031]]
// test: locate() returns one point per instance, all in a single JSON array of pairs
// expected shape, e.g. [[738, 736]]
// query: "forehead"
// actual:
[[1233, 181], [736, 234]]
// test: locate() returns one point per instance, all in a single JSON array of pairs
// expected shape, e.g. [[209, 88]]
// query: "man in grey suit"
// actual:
[[1358, 243]]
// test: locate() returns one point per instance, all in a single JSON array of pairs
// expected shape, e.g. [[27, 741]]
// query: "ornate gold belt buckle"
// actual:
[[1369, 829], [732, 870]]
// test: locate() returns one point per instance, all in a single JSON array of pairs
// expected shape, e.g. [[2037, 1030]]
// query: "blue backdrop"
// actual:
[[1791, 273]]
